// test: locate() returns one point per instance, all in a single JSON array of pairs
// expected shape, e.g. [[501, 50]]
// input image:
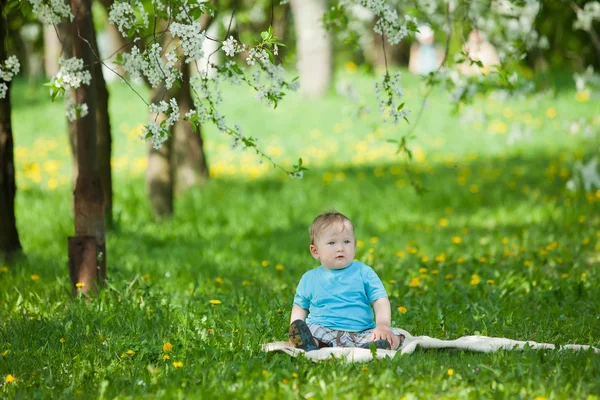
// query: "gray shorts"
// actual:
[[335, 338]]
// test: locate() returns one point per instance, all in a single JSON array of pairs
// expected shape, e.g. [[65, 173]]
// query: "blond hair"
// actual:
[[326, 220]]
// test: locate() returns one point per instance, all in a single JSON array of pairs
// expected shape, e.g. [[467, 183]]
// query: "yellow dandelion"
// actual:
[[504, 240], [565, 276], [483, 259], [422, 270], [360, 243], [424, 259], [62, 340], [219, 280], [371, 250], [465, 231], [166, 357], [246, 283], [177, 364], [435, 272], [3, 269], [402, 310], [583, 276], [4, 353], [216, 302], [585, 241], [351, 67], [295, 375], [490, 281], [167, 347], [130, 353], [450, 372], [264, 372], [399, 254], [461, 260], [551, 113], [475, 280], [582, 96], [456, 240], [146, 277], [541, 398], [279, 267], [374, 240], [80, 284], [35, 277], [9, 378], [444, 222], [284, 381], [449, 276], [527, 263], [474, 188], [415, 282], [265, 263], [392, 281], [364, 369], [440, 258]]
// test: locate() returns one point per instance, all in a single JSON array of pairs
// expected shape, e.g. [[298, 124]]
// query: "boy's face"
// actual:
[[335, 247]]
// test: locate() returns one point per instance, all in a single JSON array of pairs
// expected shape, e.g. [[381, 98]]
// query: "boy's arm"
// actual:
[[383, 321], [298, 313]]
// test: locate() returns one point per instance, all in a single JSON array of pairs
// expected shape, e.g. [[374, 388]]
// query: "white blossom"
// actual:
[[74, 111], [71, 74], [587, 15], [157, 133], [51, 12], [192, 38], [124, 15], [10, 68]]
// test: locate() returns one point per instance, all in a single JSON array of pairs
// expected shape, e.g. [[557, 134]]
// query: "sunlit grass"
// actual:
[[497, 246]]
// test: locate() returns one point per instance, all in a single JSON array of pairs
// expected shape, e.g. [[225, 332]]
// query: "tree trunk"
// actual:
[[87, 271], [52, 50], [313, 46], [159, 175], [9, 236], [104, 140], [103, 133], [189, 160]]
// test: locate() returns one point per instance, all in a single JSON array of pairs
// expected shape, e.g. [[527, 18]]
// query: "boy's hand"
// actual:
[[384, 332]]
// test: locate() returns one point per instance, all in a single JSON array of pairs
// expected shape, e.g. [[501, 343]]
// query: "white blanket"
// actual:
[[474, 343]]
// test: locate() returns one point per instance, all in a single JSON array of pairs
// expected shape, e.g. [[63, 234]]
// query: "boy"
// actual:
[[337, 296]]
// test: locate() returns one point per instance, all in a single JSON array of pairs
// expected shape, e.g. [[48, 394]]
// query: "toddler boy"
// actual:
[[337, 295]]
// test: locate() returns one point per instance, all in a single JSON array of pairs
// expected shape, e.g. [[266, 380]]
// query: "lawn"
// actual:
[[497, 246]]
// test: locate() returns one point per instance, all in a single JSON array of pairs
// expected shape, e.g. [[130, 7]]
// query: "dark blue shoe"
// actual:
[[379, 344], [301, 337]]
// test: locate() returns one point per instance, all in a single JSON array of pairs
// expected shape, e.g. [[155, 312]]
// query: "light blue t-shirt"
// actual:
[[340, 299]]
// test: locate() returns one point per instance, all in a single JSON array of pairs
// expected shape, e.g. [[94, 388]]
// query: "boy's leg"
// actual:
[[301, 337]]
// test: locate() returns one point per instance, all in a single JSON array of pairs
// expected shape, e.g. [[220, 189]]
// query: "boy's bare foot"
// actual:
[[301, 337]]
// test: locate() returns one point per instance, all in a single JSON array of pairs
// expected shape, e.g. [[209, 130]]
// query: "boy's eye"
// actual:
[[330, 243], [346, 241]]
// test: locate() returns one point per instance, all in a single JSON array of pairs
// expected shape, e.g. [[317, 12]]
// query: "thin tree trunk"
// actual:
[[188, 155], [9, 236], [52, 50], [104, 139], [87, 264], [103, 133], [313, 46], [159, 175]]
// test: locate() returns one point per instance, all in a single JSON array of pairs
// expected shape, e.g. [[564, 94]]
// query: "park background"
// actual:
[[504, 240]]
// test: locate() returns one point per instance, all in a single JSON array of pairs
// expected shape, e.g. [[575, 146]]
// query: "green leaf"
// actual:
[[264, 35]]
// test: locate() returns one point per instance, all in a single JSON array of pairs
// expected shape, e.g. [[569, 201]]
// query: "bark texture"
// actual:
[[9, 236], [86, 272]]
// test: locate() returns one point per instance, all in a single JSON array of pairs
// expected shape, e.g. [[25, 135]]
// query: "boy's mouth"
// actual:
[[339, 257]]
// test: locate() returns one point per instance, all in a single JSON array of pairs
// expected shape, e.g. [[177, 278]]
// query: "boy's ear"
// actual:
[[314, 252]]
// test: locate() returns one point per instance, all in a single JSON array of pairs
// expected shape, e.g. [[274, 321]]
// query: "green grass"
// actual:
[[533, 245]]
